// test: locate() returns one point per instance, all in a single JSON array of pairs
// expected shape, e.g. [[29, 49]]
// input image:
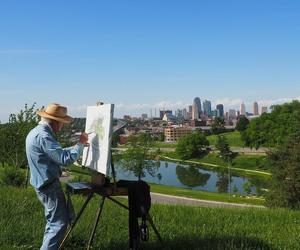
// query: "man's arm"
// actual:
[[62, 156]]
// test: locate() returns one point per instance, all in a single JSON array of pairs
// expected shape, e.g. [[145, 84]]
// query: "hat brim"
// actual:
[[65, 119]]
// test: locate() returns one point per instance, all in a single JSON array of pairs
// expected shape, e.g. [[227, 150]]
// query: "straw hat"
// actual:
[[56, 112]]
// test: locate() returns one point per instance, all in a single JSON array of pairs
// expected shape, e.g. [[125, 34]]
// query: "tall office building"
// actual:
[[220, 110], [196, 109], [243, 109], [255, 108], [195, 112], [189, 113], [232, 113], [198, 103], [264, 110], [207, 108], [185, 113]]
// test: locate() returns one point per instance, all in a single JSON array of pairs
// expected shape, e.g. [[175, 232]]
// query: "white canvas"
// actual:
[[99, 125]]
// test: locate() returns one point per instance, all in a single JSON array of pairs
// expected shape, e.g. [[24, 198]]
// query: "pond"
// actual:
[[198, 178]]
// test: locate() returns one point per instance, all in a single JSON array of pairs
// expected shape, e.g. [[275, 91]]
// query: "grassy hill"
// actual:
[[22, 225], [234, 139]]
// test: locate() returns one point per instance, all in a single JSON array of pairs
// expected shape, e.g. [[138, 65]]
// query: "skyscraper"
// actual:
[[220, 109], [207, 108], [189, 113], [198, 103], [243, 109], [196, 112], [231, 114], [264, 110], [255, 108]]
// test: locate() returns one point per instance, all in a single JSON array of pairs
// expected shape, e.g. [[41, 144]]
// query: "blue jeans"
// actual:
[[57, 214]]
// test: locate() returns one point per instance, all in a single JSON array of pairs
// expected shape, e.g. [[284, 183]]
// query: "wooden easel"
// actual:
[[98, 186]]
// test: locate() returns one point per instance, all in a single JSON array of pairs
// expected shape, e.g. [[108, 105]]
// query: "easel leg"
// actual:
[[154, 228], [96, 223], [77, 218], [117, 202]]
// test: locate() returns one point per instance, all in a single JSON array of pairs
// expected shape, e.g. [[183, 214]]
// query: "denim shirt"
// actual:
[[45, 155]]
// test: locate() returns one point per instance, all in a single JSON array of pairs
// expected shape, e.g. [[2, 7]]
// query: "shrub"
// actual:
[[13, 176]]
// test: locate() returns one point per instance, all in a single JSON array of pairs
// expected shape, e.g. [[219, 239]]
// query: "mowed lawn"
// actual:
[[22, 225], [233, 138]]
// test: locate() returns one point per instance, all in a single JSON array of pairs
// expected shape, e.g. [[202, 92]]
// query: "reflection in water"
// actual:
[[197, 178], [159, 177], [222, 183], [191, 177]]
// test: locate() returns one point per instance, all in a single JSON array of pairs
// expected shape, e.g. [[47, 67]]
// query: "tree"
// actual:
[[285, 163], [138, 158], [242, 124], [247, 187], [271, 129], [226, 155], [191, 177], [218, 126], [192, 145], [13, 136], [225, 152], [222, 182]]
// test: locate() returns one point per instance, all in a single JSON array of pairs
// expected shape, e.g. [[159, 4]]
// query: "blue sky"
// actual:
[[148, 54]]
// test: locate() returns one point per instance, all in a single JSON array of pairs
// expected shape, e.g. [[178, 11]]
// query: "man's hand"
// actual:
[[84, 138]]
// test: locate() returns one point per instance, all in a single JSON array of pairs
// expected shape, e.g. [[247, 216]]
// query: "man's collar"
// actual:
[[46, 124]]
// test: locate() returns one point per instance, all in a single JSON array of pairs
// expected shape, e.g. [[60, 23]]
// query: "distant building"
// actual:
[[189, 113], [197, 123], [172, 134], [197, 101], [185, 113], [264, 110], [169, 117], [163, 112], [123, 138], [255, 108], [196, 108], [243, 109], [214, 113], [207, 108], [127, 117], [144, 116], [231, 114], [220, 109]]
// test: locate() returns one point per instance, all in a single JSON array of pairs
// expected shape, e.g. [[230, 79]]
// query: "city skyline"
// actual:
[[137, 109], [148, 54]]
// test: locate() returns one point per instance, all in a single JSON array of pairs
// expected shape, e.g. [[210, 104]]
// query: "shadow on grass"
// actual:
[[188, 242]]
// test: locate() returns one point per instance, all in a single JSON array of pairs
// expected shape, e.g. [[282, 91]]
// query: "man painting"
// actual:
[[45, 158]]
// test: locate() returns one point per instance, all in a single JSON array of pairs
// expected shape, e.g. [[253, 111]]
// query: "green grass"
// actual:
[[22, 224], [234, 139], [253, 162], [204, 195], [159, 144]]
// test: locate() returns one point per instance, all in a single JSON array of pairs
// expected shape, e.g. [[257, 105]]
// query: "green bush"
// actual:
[[13, 176]]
